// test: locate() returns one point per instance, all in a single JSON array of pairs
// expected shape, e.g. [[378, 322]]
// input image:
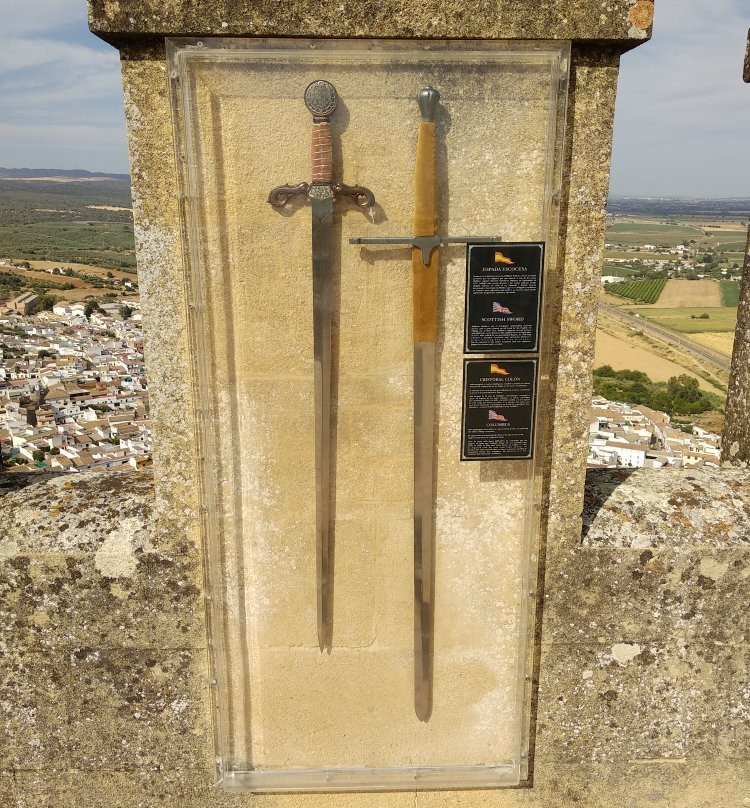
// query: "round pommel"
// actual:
[[428, 98], [321, 98]]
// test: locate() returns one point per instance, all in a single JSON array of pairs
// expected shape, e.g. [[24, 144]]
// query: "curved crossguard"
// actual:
[[321, 99], [361, 196]]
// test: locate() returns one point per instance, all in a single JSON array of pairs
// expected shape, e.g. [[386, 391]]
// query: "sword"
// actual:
[[425, 244], [321, 99], [424, 334]]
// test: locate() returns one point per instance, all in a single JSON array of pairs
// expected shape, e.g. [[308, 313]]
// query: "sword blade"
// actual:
[[322, 235], [424, 400]]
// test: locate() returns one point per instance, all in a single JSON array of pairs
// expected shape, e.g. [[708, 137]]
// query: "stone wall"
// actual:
[[644, 645]]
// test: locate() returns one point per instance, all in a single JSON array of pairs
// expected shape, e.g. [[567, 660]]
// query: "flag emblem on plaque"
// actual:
[[496, 416], [501, 258], [498, 308], [495, 368]]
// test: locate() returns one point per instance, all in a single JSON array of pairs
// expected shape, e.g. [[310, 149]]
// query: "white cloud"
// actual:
[[22, 53], [36, 16], [683, 112], [60, 90]]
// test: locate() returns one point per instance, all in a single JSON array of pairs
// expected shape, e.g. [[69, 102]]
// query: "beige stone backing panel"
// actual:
[[624, 21]]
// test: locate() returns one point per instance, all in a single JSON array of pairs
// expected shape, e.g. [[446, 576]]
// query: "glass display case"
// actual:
[[290, 715]]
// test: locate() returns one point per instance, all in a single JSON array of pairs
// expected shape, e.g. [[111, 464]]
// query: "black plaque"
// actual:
[[498, 409], [503, 296]]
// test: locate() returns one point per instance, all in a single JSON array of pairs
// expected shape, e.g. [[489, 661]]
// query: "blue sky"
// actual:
[[682, 124]]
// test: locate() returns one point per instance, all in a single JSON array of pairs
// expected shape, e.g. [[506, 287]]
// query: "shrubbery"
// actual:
[[678, 396]]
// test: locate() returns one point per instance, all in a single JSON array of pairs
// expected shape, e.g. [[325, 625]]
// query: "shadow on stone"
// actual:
[[600, 485], [19, 481]]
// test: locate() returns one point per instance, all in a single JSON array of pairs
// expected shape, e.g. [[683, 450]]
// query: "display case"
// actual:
[[290, 715]]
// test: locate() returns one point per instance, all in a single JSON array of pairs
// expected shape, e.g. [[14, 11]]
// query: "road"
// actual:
[[699, 351]]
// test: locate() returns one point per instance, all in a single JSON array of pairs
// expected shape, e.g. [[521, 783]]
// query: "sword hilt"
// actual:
[[425, 273], [321, 99]]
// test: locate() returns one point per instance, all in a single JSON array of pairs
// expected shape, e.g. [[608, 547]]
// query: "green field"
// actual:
[[730, 293], [640, 291], [104, 244], [631, 255], [687, 321], [724, 236], [618, 271]]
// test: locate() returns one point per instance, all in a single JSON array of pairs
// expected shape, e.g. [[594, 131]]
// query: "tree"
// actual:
[[38, 455], [125, 311], [90, 307]]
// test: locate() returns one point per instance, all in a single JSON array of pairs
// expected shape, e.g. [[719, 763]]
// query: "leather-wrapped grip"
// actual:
[[322, 152], [425, 278]]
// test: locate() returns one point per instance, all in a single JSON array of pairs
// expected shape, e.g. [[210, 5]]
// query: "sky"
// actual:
[[682, 123]]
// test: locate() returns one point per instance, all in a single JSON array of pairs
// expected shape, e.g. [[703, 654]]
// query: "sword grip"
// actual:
[[322, 152], [425, 277]]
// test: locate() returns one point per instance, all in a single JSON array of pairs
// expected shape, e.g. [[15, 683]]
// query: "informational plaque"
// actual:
[[503, 294], [498, 409]]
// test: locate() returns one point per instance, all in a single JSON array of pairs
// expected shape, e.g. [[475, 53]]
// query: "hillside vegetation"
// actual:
[[680, 395]]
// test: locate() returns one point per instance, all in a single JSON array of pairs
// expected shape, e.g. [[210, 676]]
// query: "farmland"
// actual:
[[640, 291], [694, 250], [690, 320], [103, 244], [680, 293], [730, 293]]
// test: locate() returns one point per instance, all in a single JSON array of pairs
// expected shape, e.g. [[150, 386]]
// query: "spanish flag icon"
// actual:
[[495, 368], [501, 258]]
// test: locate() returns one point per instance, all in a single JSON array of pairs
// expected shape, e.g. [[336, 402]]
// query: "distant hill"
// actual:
[[729, 208], [76, 173], [34, 195]]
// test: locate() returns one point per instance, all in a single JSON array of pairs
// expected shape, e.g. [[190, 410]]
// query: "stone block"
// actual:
[[55, 602], [632, 701], [8, 795], [33, 711], [664, 508], [608, 595], [136, 709]]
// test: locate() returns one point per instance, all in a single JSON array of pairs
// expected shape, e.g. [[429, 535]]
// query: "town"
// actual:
[[73, 397], [629, 436], [73, 391]]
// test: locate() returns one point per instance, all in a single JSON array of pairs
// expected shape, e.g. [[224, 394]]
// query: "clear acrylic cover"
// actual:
[[289, 717]]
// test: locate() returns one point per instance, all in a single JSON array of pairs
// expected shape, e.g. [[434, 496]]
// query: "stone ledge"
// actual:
[[624, 22], [644, 508], [629, 509], [645, 641]]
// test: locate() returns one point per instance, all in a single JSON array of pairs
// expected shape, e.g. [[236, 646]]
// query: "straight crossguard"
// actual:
[[321, 99], [425, 244]]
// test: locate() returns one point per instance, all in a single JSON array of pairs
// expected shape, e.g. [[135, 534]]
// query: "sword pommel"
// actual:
[[428, 98], [321, 99]]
